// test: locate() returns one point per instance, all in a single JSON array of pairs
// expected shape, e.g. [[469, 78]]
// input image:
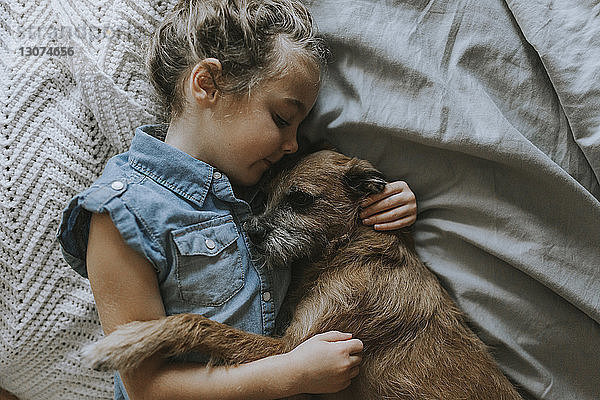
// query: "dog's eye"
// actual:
[[299, 200]]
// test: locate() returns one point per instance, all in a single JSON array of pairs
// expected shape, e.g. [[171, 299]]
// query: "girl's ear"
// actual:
[[362, 179], [203, 80]]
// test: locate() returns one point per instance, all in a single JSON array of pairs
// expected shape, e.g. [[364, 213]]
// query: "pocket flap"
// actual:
[[207, 241]]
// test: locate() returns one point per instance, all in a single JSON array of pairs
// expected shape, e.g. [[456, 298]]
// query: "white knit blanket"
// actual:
[[62, 117]]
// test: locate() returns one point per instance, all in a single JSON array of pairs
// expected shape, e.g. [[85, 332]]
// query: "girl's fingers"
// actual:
[[392, 215], [334, 336], [388, 203], [355, 361], [390, 226], [390, 189], [354, 346], [351, 346]]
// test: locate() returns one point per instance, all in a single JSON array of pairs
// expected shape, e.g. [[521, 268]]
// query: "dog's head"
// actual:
[[312, 205]]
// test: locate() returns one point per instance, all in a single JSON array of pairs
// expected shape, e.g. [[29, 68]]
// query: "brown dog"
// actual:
[[352, 279]]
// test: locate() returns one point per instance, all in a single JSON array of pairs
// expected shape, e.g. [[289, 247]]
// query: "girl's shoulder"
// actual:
[[146, 208], [118, 192]]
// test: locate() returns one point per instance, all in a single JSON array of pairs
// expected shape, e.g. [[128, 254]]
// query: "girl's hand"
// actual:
[[326, 362], [394, 208]]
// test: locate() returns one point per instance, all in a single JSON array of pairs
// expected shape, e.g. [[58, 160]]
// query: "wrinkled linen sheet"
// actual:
[[491, 112]]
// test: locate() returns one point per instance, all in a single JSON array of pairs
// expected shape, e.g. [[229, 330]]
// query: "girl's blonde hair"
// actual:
[[251, 38]]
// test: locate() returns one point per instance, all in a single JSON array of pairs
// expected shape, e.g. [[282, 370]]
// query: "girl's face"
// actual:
[[258, 130]]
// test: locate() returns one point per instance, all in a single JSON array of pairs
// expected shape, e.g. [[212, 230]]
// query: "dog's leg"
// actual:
[[131, 343]]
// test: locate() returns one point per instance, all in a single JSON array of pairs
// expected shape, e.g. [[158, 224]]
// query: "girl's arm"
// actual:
[[126, 289], [394, 208]]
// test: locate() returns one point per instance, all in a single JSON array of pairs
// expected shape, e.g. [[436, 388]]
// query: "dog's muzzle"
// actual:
[[257, 232]]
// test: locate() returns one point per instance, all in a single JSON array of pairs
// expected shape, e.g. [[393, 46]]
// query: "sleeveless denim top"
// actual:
[[183, 216]]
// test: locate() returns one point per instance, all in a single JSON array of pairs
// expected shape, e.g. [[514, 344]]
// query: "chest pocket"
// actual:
[[208, 263]]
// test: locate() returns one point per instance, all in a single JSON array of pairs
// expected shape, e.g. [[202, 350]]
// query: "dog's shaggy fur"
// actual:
[[352, 279]]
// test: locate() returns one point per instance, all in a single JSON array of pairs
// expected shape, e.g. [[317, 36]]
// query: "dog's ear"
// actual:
[[362, 179]]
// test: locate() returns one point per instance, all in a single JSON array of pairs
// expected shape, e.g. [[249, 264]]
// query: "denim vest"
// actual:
[[183, 216]]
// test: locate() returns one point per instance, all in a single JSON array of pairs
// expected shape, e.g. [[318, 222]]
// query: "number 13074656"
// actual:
[[46, 51]]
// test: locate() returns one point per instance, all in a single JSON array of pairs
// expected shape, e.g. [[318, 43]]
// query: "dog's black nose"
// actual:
[[256, 231]]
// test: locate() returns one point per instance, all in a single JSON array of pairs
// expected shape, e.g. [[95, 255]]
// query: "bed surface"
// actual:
[[490, 110]]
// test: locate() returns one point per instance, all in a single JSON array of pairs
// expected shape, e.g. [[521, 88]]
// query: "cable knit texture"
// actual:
[[62, 118]]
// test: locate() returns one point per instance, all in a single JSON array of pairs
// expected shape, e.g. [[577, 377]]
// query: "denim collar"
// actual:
[[169, 166]]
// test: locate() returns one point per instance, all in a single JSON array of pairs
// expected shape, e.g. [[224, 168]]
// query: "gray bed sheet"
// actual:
[[490, 110]]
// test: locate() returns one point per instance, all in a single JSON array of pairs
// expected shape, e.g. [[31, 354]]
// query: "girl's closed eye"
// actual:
[[280, 122]]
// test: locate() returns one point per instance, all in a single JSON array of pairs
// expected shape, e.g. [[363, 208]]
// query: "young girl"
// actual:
[[160, 232]]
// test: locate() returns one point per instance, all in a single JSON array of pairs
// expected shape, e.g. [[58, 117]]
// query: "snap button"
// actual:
[[266, 296], [117, 185], [210, 244], [217, 175]]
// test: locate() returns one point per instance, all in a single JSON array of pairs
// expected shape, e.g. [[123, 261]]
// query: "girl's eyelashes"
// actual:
[[280, 122]]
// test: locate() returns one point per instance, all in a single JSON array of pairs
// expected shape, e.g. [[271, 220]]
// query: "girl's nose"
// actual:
[[290, 144]]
